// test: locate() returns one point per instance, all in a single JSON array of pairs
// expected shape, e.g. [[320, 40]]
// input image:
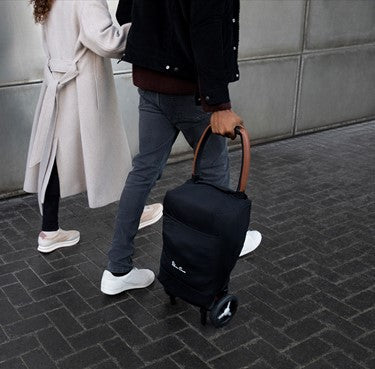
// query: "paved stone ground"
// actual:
[[307, 294]]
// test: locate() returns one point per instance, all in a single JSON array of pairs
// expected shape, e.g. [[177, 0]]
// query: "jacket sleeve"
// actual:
[[98, 33], [206, 28], [124, 11]]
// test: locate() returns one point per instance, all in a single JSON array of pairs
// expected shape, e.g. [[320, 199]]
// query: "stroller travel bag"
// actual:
[[204, 229]]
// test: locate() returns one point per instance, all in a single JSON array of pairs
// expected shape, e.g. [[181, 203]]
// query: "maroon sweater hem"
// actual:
[[150, 80]]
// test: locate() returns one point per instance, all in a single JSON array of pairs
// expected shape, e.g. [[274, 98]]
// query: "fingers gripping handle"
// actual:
[[245, 167]]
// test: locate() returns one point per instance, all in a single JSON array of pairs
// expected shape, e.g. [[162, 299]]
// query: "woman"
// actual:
[[78, 142]]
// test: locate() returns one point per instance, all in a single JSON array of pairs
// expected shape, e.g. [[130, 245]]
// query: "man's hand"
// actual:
[[223, 122]]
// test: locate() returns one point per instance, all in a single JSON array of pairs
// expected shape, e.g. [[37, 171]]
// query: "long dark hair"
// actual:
[[41, 9]]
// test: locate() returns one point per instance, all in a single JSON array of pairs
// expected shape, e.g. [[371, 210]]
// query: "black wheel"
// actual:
[[223, 311]]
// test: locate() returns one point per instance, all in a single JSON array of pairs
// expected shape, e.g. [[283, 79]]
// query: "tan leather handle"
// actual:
[[245, 167]]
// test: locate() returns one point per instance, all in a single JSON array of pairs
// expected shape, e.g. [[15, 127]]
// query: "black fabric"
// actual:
[[189, 39], [51, 203], [204, 229]]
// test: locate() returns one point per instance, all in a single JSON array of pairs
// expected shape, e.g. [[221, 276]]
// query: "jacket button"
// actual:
[[207, 98], [237, 75], [167, 67], [176, 69], [234, 48], [234, 20]]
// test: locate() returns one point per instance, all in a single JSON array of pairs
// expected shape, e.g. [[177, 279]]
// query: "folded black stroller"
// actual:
[[204, 229]]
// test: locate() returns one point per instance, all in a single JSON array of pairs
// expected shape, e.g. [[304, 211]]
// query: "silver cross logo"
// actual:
[[226, 312], [177, 267]]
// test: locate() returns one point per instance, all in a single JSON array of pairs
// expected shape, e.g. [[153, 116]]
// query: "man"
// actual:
[[184, 54]]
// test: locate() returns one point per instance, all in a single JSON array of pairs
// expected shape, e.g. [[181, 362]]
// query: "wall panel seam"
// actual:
[[300, 68]]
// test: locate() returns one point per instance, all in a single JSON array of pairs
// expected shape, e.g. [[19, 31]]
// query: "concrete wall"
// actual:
[[305, 65]]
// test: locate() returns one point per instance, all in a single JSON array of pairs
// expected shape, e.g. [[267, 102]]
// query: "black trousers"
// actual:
[[51, 203]]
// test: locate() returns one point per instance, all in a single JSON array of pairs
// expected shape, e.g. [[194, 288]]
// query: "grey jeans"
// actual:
[[161, 118]]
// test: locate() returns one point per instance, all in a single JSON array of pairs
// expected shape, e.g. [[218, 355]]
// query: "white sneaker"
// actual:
[[136, 278], [50, 241], [252, 241], [151, 214]]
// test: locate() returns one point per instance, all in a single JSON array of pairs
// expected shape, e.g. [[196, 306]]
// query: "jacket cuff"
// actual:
[[213, 108], [215, 96]]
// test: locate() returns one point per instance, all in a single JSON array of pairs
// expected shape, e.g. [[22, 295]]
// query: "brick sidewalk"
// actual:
[[306, 295]]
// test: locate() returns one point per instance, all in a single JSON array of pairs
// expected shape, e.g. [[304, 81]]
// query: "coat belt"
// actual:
[[47, 119]]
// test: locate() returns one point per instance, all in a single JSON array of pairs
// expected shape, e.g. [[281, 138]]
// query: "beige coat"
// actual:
[[77, 121]]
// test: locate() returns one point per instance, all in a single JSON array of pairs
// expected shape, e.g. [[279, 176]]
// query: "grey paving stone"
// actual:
[[39, 265], [26, 326], [12, 267], [60, 275], [50, 290], [7, 279], [8, 313], [260, 364], [17, 347], [74, 303], [295, 276], [158, 349], [91, 337], [356, 284], [363, 300], [234, 338], [3, 337], [15, 363], [163, 364], [38, 359], [319, 364], [300, 309], [270, 334], [341, 308], [29, 279], [65, 322], [266, 296], [343, 343], [165, 327], [17, 294], [84, 358], [18, 255], [303, 329], [106, 365], [340, 360], [276, 359], [238, 358], [189, 360], [268, 314], [136, 312], [84, 287], [308, 351], [100, 317], [198, 344], [366, 320], [54, 343], [122, 353], [36, 308], [368, 341], [339, 323], [129, 332], [298, 291]]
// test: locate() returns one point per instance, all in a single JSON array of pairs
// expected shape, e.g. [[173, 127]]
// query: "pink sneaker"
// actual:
[[151, 214], [50, 241]]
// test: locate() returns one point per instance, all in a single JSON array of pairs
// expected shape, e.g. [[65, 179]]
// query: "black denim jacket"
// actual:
[[190, 39]]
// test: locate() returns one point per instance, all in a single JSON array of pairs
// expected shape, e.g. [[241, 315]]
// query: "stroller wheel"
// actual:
[[223, 311]]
